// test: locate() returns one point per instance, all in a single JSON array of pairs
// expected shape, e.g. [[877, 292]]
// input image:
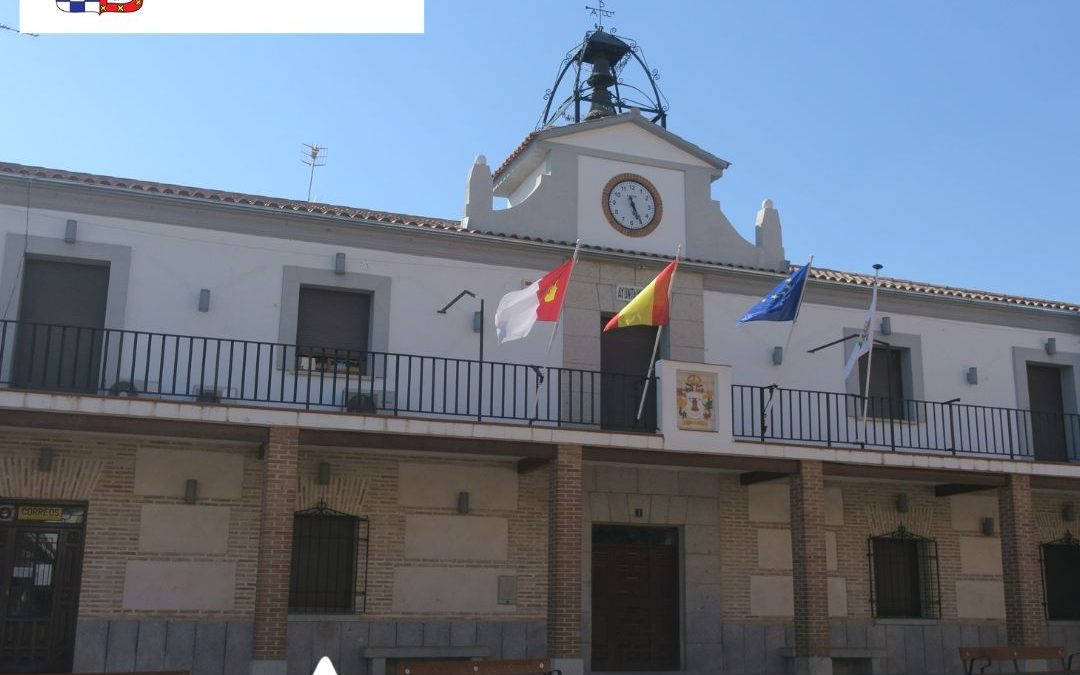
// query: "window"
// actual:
[[887, 399], [329, 549], [332, 330], [904, 576], [1061, 578]]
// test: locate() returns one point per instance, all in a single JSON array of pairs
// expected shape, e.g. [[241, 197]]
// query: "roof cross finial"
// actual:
[[600, 13]]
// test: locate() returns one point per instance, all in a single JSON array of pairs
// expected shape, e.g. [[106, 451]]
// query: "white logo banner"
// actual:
[[221, 16]]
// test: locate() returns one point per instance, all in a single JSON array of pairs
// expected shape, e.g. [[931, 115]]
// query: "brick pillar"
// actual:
[[275, 551], [565, 561], [1024, 616], [810, 571]]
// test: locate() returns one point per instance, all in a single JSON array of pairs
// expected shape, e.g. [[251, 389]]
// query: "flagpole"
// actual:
[[869, 357], [787, 343], [656, 344], [554, 330]]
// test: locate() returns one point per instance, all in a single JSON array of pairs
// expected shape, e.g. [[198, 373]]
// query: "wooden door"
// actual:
[[1047, 413], [40, 570], [635, 598], [624, 363], [61, 317]]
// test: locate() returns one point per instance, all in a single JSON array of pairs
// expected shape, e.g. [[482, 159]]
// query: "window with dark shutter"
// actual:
[[329, 562], [887, 384], [904, 576], [332, 329], [1061, 578]]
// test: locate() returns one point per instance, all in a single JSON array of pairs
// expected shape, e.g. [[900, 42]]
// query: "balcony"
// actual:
[[208, 370], [164, 366]]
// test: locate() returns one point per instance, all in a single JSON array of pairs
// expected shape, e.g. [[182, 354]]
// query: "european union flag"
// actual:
[[782, 302]]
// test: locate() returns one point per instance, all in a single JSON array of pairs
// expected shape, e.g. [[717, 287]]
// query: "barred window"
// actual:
[[1061, 578], [904, 576], [329, 562]]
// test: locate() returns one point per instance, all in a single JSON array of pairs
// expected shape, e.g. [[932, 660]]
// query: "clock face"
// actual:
[[632, 205]]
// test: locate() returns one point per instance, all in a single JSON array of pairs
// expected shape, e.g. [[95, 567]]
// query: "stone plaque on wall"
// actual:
[[694, 399]]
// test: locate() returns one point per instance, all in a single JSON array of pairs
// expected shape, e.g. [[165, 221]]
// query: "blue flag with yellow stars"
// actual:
[[782, 302]]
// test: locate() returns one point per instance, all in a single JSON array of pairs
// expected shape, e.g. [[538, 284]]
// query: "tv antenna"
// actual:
[[311, 158]]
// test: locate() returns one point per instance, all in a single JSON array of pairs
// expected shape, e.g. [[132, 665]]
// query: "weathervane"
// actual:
[[600, 13]]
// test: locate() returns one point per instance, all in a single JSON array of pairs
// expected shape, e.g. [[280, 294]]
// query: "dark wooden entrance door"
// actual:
[[61, 314], [41, 550], [624, 362], [1047, 413], [635, 598]]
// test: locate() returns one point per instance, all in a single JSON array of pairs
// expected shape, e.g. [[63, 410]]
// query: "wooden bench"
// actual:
[[489, 667], [987, 656]]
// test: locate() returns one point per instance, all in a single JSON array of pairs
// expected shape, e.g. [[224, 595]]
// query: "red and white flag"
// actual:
[[541, 301]]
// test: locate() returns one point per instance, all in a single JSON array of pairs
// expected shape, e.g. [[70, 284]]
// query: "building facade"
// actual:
[[239, 434]]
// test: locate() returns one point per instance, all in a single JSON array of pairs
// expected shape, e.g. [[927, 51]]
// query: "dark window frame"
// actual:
[[315, 585], [926, 575], [313, 355], [890, 396], [1066, 543]]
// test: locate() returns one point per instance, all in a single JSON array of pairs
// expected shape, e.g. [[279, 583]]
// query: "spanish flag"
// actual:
[[650, 307]]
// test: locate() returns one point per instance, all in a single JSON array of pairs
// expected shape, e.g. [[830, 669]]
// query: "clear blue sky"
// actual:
[[938, 138]]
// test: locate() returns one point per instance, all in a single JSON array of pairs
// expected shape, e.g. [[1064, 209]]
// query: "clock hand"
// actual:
[[633, 207]]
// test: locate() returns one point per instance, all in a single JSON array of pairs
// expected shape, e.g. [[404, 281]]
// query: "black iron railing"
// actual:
[[835, 419], [215, 370]]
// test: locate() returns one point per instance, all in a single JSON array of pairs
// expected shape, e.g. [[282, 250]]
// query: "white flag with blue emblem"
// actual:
[[865, 341]]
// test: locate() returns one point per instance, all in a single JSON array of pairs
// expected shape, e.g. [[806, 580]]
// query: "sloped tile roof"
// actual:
[[426, 222]]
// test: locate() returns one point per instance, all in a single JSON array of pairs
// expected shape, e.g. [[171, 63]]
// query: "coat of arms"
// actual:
[[694, 400]]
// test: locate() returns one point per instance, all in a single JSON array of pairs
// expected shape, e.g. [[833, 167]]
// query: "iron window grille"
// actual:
[[329, 562], [904, 576], [1059, 561]]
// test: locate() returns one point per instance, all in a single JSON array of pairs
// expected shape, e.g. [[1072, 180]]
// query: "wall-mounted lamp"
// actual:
[[191, 490], [339, 263], [204, 300], [71, 231], [973, 375], [777, 355], [477, 322], [1068, 512], [886, 325], [45, 457], [463, 502], [1051, 346], [988, 526], [324, 473], [902, 503]]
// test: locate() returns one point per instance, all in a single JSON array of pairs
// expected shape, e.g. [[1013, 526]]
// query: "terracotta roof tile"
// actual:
[[514, 155], [455, 226]]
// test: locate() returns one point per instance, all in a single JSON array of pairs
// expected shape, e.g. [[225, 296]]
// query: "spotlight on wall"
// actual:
[[1051, 346], [973, 375], [204, 300], [463, 502], [191, 490], [886, 325], [777, 355], [1068, 512], [901, 503], [324, 473], [988, 526], [71, 231], [45, 457], [339, 263]]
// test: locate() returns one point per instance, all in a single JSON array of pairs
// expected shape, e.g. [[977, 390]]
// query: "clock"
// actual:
[[632, 204]]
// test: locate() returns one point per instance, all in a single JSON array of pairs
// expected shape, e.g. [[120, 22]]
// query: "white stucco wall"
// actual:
[[948, 349], [170, 264]]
